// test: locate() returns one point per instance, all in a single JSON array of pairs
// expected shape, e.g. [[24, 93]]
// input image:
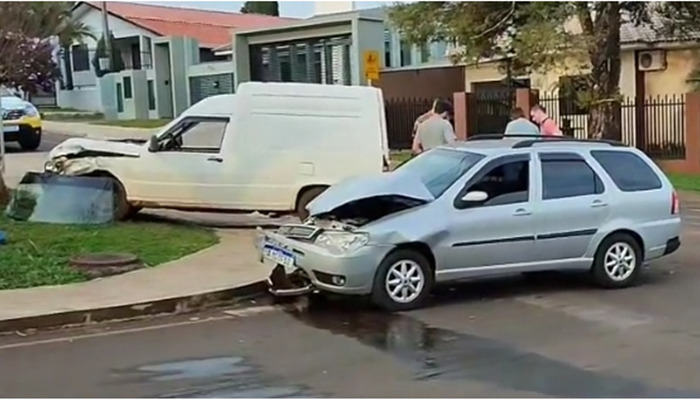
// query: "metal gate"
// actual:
[[320, 60], [491, 104], [210, 85]]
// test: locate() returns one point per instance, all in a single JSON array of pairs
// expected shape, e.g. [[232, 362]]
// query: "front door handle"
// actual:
[[521, 212], [215, 159], [598, 204]]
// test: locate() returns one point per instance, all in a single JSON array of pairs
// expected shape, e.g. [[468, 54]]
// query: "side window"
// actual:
[[628, 171], [196, 135], [507, 183], [564, 177]]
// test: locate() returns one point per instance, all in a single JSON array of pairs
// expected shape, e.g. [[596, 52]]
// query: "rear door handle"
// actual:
[[215, 159], [521, 212], [598, 204]]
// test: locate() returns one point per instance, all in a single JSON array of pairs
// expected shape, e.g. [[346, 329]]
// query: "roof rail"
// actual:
[[549, 139], [494, 136]]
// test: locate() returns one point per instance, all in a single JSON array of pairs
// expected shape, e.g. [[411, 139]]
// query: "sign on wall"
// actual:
[[371, 61]]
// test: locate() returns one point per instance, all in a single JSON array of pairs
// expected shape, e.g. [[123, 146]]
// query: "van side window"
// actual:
[[628, 171], [195, 135], [567, 175]]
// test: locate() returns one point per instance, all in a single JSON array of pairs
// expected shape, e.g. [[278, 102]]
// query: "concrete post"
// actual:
[[460, 105]]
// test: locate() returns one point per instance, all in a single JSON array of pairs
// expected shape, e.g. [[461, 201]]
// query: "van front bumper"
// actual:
[[317, 269]]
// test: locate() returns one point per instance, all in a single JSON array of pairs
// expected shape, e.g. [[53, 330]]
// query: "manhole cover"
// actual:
[[98, 260], [100, 265]]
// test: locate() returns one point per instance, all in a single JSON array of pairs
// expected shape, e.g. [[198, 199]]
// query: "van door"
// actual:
[[187, 168]]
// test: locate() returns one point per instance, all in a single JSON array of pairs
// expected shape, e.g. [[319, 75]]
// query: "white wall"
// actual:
[[86, 99], [332, 7]]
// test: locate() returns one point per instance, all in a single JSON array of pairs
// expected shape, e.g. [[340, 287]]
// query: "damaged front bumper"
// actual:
[[300, 267]]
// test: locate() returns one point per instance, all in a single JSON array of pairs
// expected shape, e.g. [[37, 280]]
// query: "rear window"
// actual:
[[628, 171]]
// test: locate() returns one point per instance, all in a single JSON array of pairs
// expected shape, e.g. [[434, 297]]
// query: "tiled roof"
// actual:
[[210, 28], [651, 33]]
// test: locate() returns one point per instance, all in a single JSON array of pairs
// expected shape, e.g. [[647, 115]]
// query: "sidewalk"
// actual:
[[228, 265], [84, 129]]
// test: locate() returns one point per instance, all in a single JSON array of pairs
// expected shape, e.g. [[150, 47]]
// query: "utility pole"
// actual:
[[107, 35], [2, 136]]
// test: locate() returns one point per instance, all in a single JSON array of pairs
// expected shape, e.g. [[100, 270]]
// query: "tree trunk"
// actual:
[[4, 194], [604, 118]]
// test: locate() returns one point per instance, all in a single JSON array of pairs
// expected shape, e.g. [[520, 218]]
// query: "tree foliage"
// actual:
[[579, 37], [29, 33], [261, 7]]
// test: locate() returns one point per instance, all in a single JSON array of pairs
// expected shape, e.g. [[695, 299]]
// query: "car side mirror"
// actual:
[[476, 196], [153, 144]]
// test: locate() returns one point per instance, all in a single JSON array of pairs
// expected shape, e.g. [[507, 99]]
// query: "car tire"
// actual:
[[618, 262], [122, 209], [420, 275], [30, 142], [307, 196]]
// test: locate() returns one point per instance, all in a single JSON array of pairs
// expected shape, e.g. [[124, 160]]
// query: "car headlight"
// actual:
[[31, 111], [342, 242]]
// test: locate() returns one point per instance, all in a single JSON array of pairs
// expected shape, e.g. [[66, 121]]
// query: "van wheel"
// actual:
[[618, 262], [403, 281], [122, 208], [307, 197]]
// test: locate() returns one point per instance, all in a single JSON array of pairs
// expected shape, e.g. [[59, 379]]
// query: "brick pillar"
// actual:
[[460, 104], [526, 98], [692, 132]]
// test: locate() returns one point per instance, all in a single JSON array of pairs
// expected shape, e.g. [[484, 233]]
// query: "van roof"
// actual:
[[222, 105]]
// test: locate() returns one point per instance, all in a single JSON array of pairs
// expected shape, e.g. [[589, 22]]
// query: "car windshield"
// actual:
[[439, 169]]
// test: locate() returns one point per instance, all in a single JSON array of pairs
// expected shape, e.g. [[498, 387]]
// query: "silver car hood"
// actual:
[[359, 188]]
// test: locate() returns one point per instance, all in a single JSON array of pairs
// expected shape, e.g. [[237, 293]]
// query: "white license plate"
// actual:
[[10, 128], [279, 256]]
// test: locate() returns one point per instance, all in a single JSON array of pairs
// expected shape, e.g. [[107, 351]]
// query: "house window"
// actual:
[[406, 53], [151, 95], [120, 99], [127, 87], [572, 93], [387, 48], [425, 53], [81, 58]]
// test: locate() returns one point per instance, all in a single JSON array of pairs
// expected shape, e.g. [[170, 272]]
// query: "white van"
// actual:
[[271, 147]]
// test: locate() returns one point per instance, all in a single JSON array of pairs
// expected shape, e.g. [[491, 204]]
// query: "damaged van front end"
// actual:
[[348, 234], [76, 157]]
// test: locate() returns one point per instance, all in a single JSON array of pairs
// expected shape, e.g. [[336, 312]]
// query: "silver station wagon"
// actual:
[[486, 207]]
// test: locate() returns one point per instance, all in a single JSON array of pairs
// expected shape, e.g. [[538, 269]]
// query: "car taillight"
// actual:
[[675, 204]]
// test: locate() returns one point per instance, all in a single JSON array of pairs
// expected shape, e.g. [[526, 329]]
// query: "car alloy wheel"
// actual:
[[620, 261], [405, 281]]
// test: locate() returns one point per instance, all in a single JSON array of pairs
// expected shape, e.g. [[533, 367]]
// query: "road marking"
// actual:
[[248, 311], [605, 315], [111, 333]]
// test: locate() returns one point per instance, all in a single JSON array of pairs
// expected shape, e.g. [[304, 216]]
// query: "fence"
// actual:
[[400, 117], [490, 111], [655, 125]]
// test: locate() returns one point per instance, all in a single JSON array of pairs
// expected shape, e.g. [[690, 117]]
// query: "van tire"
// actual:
[[380, 295], [30, 141], [603, 276], [122, 209], [307, 197]]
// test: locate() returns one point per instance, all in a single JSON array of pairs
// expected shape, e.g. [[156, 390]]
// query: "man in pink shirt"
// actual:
[[547, 125]]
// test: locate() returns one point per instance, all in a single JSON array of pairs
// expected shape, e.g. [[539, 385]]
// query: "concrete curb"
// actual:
[[173, 305]]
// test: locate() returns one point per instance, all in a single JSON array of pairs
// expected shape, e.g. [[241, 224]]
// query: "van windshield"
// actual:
[[439, 169]]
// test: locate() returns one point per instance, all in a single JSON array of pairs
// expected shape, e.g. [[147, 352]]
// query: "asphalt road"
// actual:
[[48, 141], [552, 337]]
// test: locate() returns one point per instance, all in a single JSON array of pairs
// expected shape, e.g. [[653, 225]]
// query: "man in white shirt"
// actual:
[[520, 125]]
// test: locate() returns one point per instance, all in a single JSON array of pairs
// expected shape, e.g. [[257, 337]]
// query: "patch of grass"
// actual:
[[397, 157], [38, 254], [685, 182], [135, 123], [72, 117]]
